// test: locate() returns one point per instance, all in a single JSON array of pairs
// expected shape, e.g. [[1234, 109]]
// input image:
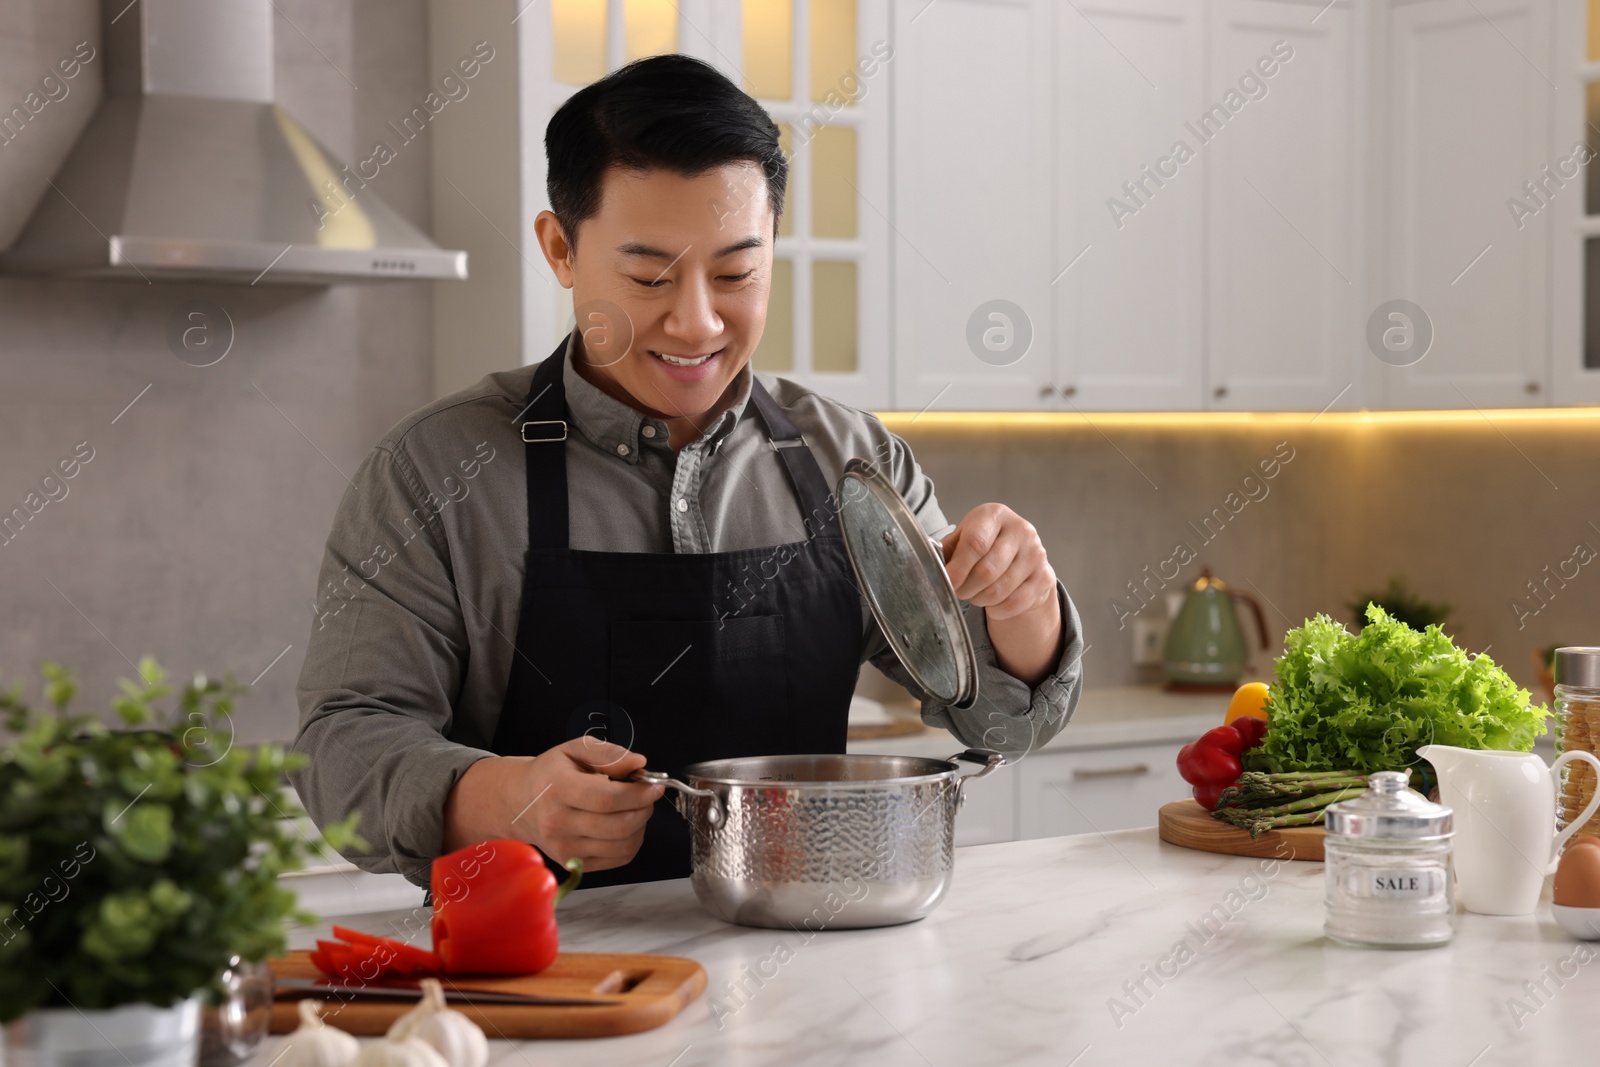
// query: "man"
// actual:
[[629, 554]]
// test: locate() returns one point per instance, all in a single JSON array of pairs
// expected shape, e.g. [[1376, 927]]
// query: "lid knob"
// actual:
[[1388, 783], [1389, 809]]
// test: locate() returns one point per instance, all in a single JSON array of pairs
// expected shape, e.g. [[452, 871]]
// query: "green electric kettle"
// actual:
[[1205, 646]]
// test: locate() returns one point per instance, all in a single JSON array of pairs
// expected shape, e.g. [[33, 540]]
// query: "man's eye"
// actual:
[[738, 277]]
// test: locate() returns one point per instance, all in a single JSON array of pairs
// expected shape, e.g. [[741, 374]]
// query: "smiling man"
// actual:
[[628, 554]]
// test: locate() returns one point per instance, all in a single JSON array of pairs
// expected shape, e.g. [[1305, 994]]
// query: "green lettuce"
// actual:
[[1367, 702]]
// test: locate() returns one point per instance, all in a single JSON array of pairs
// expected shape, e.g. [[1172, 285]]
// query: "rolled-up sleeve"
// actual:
[[1009, 716], [384, 664]]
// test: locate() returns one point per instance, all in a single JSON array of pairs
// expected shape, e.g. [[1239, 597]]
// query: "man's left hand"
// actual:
[[997, 562]]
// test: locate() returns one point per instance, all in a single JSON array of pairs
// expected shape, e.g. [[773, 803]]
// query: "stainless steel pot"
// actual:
[[823, 842]]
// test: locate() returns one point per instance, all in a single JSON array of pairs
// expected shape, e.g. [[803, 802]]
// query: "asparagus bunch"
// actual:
[[1259, 802]]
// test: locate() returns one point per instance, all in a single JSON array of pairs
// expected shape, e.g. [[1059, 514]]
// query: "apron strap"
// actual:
[[804, 472], [544, 433]]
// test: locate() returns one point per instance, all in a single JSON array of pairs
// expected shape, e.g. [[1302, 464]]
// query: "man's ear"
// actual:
[[555, 246]]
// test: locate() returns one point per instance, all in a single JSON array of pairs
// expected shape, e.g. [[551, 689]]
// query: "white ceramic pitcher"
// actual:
[[1505, 823]]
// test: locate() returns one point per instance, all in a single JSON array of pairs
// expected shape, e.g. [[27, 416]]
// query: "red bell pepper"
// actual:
[[499, 921], [486, 920], [1212, 763], [1252, 729]]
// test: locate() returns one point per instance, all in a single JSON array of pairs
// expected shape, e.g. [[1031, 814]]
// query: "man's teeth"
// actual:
[[683, 361]]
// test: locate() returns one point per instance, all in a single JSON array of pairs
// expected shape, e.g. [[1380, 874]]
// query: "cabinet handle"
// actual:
[[1220, 391], [1047, 390], [1531, 388], [1069, 390], [1130, 771]]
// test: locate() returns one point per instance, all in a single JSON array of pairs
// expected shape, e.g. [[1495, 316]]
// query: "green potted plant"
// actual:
[[1402, 604], [135, 864]]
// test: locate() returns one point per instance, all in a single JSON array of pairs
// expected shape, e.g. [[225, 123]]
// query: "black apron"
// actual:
[[680, 657]]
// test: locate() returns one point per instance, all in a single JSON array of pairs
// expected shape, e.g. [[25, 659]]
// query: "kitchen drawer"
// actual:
[[1096, 790]]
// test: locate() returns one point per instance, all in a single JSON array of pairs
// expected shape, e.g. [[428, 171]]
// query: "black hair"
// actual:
[[669, 112]]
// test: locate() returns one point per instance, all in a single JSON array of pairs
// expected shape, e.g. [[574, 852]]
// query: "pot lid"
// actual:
[[902, 575], [1389, 808]]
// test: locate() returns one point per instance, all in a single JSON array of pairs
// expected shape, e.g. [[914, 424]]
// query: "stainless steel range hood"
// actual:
[[190, 171]]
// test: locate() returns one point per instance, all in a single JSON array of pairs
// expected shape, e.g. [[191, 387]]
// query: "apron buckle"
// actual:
[[539, 433], [792, 442]]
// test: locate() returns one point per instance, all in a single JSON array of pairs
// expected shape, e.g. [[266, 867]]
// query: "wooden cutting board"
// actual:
[[651, 989], [1187, 824]]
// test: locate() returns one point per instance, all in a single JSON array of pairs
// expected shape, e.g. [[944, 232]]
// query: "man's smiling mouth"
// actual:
[[684, 361]]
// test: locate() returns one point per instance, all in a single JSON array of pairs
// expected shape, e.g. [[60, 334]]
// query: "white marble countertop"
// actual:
[[1038, 943]]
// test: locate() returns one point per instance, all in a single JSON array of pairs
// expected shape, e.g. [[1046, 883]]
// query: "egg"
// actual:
[[1584, 839], [1578, 875]]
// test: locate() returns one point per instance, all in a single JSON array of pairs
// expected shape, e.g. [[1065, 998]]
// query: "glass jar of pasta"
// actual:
[[1577, 710]]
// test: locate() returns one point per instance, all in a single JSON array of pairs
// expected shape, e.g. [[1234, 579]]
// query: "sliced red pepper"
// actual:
[[494, 908], [485, 921], [409, 959], [352, 963]]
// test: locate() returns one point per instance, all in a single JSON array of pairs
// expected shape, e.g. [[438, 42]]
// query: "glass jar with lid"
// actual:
[[1577, 674], [1389, 880]]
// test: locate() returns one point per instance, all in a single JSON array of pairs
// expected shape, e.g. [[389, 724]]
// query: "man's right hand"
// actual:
[[568, 801], [578, 807]]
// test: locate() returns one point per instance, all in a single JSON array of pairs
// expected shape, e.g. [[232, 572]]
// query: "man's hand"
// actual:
[[568, 801], [996, 561]]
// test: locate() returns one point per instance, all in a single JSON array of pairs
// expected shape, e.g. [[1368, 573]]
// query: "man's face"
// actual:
[[688, 261]]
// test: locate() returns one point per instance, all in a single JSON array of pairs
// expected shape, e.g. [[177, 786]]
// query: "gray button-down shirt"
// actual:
[[414, 624]]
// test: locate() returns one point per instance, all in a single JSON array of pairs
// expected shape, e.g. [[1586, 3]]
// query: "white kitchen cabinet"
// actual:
[[1468, 123], [1126, 270], [989, 813], [1095, 790], [1574, 223], [1284, 251], [973, 97]]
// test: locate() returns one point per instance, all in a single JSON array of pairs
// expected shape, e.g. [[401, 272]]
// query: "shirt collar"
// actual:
[[613, 426]]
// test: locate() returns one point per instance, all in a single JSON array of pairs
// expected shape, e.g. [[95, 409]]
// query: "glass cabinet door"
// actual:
[[1569, 193], [819, 67]]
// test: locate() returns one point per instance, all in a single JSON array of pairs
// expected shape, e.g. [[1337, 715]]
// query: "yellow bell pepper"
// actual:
[[1250, 699]]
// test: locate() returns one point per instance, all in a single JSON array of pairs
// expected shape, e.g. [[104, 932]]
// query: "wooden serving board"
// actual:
[[651, 989], [1187, 824]]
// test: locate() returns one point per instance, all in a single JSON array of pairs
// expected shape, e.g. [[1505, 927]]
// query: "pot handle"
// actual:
[[713, 815], [992, 761]]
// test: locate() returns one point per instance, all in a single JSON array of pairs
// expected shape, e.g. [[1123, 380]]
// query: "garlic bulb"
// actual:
[[315, 1043], [394, 1051], [456, 1037], [429, 1035]]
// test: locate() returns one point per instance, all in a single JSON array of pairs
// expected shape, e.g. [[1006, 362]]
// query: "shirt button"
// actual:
[[622, 450], [648, 431], [683, 505]]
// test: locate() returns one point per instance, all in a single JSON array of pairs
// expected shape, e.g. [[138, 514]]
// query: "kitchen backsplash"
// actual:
[[1500, 520]]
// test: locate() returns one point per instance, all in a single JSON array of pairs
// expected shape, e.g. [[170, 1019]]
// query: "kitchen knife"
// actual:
[[472, 996]]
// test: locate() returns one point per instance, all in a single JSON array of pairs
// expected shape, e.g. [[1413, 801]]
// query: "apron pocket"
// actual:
[[701, 690]]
